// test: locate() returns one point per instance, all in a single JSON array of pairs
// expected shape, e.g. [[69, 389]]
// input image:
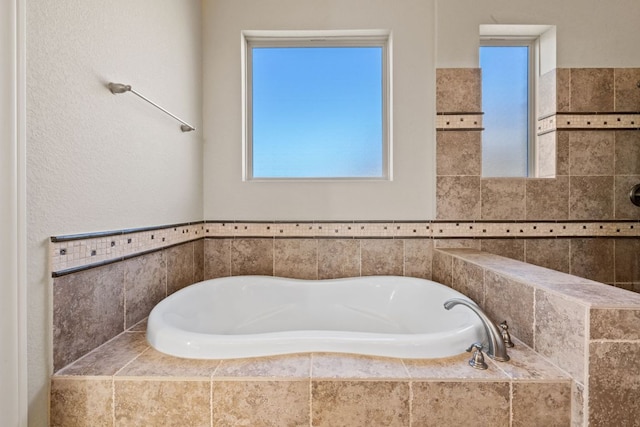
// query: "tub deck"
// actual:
[[125, 382]]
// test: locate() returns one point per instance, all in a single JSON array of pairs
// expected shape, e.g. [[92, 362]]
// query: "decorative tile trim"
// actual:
[[459, 121], [589, 121], [71, 253]]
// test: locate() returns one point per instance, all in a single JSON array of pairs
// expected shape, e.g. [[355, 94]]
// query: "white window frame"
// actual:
[[353, 38]]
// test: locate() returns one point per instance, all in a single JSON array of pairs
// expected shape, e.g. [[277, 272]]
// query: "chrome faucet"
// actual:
[[496, 347]]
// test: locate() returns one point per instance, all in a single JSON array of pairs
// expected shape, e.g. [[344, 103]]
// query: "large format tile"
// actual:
[[81, 402], [145, 284], [458, 90], [217, 258], [458, 153], [296, 258], [541, 404], [458, 197], [338, 258], [418, 258], [503, 198], [591, 152], [627, 95], [180, 267], [591, 197], [592, 90], [382, 257], [547, 199], [252, 256]]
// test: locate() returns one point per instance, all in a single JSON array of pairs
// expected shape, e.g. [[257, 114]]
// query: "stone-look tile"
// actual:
[[593, 259], [591, 152], [261, 403], [78, 402], [548, 253], [360, 403], [153, 363], [468, 279], [627, 95], [458, 153], [627, 257], [510, 248], [442, 268], [562, 153], [458, 90], [162, 403], [560, 329], [512, 301], [458, 197], [457, 243], [614, 381], [180, 267], [624, 209], [333, 365], [382, 257], [141, 326], [591, 198], [217, 258], [577, 405], [198, 260], [451, 368], [296, 258], [592, 89], [252, 256], [547, 94], [145, 284], [563, 90], [541, 404], [418, 258], [338, 258], [615, 324], [460, 403], [526, 364], [546, 152], [111, 357], [284, 366], [88, 310], [627, 152], [503, 198], [547, 199]]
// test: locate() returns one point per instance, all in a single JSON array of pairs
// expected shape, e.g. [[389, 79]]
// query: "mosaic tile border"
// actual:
[[594, 121], [459, 121], [73, 253]]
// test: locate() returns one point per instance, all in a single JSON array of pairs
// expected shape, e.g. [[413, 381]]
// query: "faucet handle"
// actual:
[[506, 337], [477, 359]]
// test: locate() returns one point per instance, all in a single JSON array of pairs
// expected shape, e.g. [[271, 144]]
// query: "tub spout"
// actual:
[[496, 348]]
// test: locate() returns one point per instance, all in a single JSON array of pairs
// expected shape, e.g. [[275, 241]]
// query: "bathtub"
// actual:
[[249, 316]]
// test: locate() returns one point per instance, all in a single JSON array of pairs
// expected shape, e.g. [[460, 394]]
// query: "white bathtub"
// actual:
[[247, 316]]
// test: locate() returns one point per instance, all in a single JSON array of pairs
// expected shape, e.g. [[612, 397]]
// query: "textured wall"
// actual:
[[98, 161]]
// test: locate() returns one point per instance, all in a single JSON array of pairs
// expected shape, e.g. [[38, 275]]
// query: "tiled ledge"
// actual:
[[73, 253], [303, 389]]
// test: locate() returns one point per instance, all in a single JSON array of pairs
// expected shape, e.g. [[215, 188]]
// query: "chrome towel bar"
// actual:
[[117, 88]]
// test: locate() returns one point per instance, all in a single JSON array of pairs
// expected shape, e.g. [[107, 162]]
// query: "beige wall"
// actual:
[[98, 161]]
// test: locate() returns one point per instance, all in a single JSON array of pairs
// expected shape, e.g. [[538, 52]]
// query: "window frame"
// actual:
[[355, 38], [533, 45]]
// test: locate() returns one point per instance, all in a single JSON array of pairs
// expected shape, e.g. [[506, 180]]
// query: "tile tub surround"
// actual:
[[588, 329], [127, 383]]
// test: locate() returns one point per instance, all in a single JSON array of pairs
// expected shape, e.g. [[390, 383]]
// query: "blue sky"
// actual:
[[317, 112]]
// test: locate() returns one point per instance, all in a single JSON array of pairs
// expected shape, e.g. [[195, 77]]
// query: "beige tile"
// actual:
[[153, 363], [562, 153], [591, 152], [541, 404], [503, 198], [458, 90], [442, 267], [457, 243], [460, 403], [382, 257], [547, 199], [458, 153], [338, 258], [418, 258], [593, 259], [591, 198], [360, 403], [468, 279], [458, 197], [627, 259], [547, 94], [546, 152], [561, 332], [627, 152], [111, 357], [615, 324], [549, 253], [577, 405], [592, 89], [252, 256], [627, 95], [162, 403], [180, 267], [330, 365], [563, 90], [451, 368], [145, 284], [141, 326], [217, 258], [88, 310], [296, 258], [614, 381], [512, 301], [510, 248], [79, 402], [261, 403], [624, 209], [526, 364], [198, 260], [285, 366]]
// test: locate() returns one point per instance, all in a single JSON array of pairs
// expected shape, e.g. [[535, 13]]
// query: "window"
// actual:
[[508, 106], [316, 108]]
